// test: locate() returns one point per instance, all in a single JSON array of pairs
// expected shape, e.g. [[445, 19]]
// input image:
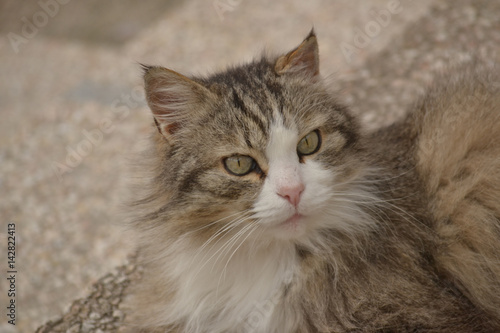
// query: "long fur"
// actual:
[[459, 163], [399, 230]]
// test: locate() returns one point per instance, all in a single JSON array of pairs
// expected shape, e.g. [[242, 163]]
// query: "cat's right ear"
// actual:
[[172, 98], [303, 60]]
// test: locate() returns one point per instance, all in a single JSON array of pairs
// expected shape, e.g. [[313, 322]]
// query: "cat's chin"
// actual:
[[292, 228]]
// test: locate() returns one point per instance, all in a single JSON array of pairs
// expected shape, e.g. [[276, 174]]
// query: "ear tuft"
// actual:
[[145, 68], [303, 60], [172, 98]]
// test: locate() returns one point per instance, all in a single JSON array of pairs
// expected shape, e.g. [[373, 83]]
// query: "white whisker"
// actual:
[[219, 234], [252, 228]]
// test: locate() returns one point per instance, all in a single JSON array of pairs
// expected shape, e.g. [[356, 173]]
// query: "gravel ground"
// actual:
[[75, 111]]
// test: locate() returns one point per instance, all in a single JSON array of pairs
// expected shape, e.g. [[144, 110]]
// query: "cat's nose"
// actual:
[[291, 193]]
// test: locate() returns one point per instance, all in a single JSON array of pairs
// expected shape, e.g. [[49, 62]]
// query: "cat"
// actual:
[[269, 209]]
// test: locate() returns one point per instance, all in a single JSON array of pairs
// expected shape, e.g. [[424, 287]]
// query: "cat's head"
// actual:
[[262, 149]]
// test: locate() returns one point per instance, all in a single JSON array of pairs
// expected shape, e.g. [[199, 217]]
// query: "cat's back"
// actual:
[[454, 135]]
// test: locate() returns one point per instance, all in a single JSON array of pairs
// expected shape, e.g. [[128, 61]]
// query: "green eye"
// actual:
[[309, 144], [240, 165]]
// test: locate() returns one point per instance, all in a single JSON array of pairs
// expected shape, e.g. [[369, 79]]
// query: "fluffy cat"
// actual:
[[269, 210]]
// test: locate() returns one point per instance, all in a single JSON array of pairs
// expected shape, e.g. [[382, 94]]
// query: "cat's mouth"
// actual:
[[293, 223], [288, 225]]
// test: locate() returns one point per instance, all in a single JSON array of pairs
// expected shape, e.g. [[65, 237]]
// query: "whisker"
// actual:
[[212, 223], [227, 228], [229, 244], [230, 227], [385, 203], [254, 227]]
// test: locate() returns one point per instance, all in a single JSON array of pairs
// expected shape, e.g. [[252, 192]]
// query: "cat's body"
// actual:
[[270, 211]]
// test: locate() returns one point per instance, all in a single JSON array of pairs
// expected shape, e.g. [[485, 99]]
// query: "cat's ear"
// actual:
[[172, 97], [304, 60]]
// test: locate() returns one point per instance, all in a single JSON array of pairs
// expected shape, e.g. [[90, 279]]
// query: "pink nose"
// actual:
[[292, 193]]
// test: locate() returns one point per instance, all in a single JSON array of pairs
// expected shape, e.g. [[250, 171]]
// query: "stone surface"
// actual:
[[73, 115]]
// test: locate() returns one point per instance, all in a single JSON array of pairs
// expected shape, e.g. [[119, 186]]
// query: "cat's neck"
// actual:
[[228, 284]]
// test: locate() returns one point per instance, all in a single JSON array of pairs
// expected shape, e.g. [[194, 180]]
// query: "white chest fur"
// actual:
[[236, 296]]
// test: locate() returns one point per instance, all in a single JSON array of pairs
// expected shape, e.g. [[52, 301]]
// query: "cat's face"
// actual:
[[262, 150]]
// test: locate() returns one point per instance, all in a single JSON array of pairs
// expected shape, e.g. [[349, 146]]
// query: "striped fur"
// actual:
[[374, 243]]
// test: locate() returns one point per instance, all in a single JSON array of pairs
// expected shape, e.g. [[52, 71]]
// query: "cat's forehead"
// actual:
[[248, 98], [254, 93], [250, 86]]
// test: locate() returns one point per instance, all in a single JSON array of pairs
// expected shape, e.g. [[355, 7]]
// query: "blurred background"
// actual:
[[73, 111]]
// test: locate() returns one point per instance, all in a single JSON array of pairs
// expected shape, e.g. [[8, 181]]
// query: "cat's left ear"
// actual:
[[304, 60]]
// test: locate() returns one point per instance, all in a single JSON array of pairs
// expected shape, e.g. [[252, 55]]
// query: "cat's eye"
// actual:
[[309, 144], [240, 165]]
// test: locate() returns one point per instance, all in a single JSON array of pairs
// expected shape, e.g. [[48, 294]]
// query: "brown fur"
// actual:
[[459, 163]]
